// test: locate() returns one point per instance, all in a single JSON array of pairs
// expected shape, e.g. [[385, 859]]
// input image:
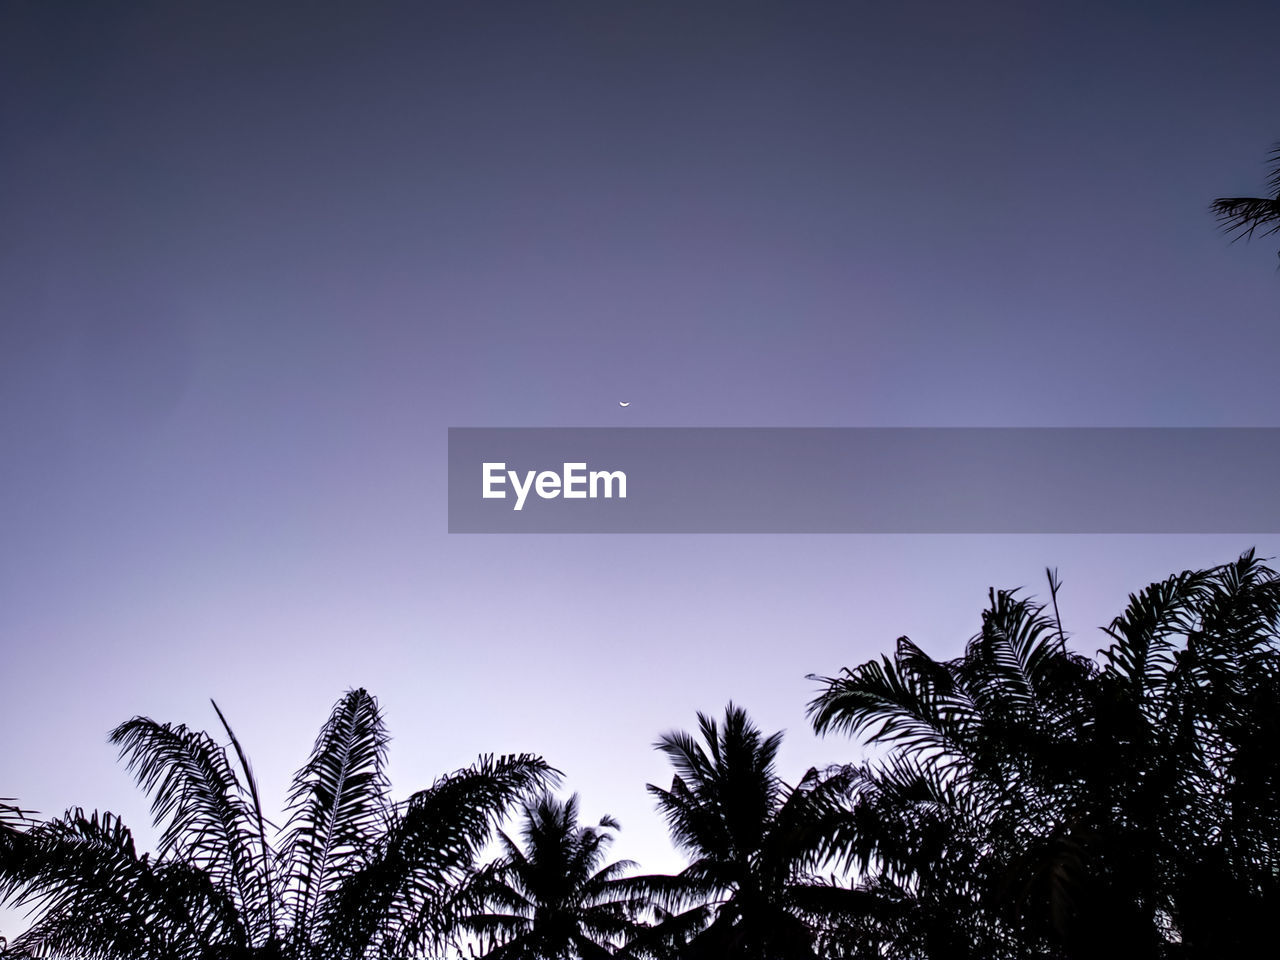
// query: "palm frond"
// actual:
[[94, 896], [266, 854], [670, 935], [409, 894], [1142, 652], [1243, 217], [338, 806], [199, 804], [911, 700], [811, 826]]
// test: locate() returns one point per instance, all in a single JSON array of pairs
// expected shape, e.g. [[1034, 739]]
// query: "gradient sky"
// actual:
[[256, 258]]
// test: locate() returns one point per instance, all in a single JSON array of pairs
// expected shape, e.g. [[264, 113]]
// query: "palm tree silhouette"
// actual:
[[751, 889], [1245, 216], [1033, 802], [555, 896], [351, 874]]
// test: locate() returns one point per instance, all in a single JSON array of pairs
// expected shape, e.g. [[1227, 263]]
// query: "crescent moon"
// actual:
[[624, 403]]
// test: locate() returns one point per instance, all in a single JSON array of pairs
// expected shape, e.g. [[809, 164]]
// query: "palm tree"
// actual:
[[1033, 802], [1244, 216], [555, 898], [978, 747], [752, 888], [351, 874]]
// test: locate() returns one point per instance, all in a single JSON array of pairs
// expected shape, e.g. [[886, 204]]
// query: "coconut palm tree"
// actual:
[[1244, 216], [1035, 803], [350, 874], [555, 897], [752, 887]]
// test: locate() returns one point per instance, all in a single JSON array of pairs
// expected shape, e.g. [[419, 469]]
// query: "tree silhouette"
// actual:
[[1244, 216], [751, 889], [351, 874], [1024, 801], [555, 896], [1034, 803], [13, 820]]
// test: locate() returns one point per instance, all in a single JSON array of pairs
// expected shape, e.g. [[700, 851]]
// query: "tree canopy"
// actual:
[[1021, 800], [1034, 802], [349, 875]]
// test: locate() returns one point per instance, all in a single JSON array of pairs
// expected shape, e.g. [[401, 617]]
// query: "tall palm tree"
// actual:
[[350, 874], [555, 897], [1033, 802], [752, 888], [1245, 216]]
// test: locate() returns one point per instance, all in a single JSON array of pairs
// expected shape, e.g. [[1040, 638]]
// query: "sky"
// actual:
[[255, 259]]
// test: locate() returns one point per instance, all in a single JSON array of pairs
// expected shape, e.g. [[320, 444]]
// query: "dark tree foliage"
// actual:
[[1242, 217], [554, 895], [752, 888], [350, 875], [1023, 801], [13, 820], [1034, 803]]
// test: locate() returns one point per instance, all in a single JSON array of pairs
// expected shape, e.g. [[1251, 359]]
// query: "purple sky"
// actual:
[[253, 264]]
